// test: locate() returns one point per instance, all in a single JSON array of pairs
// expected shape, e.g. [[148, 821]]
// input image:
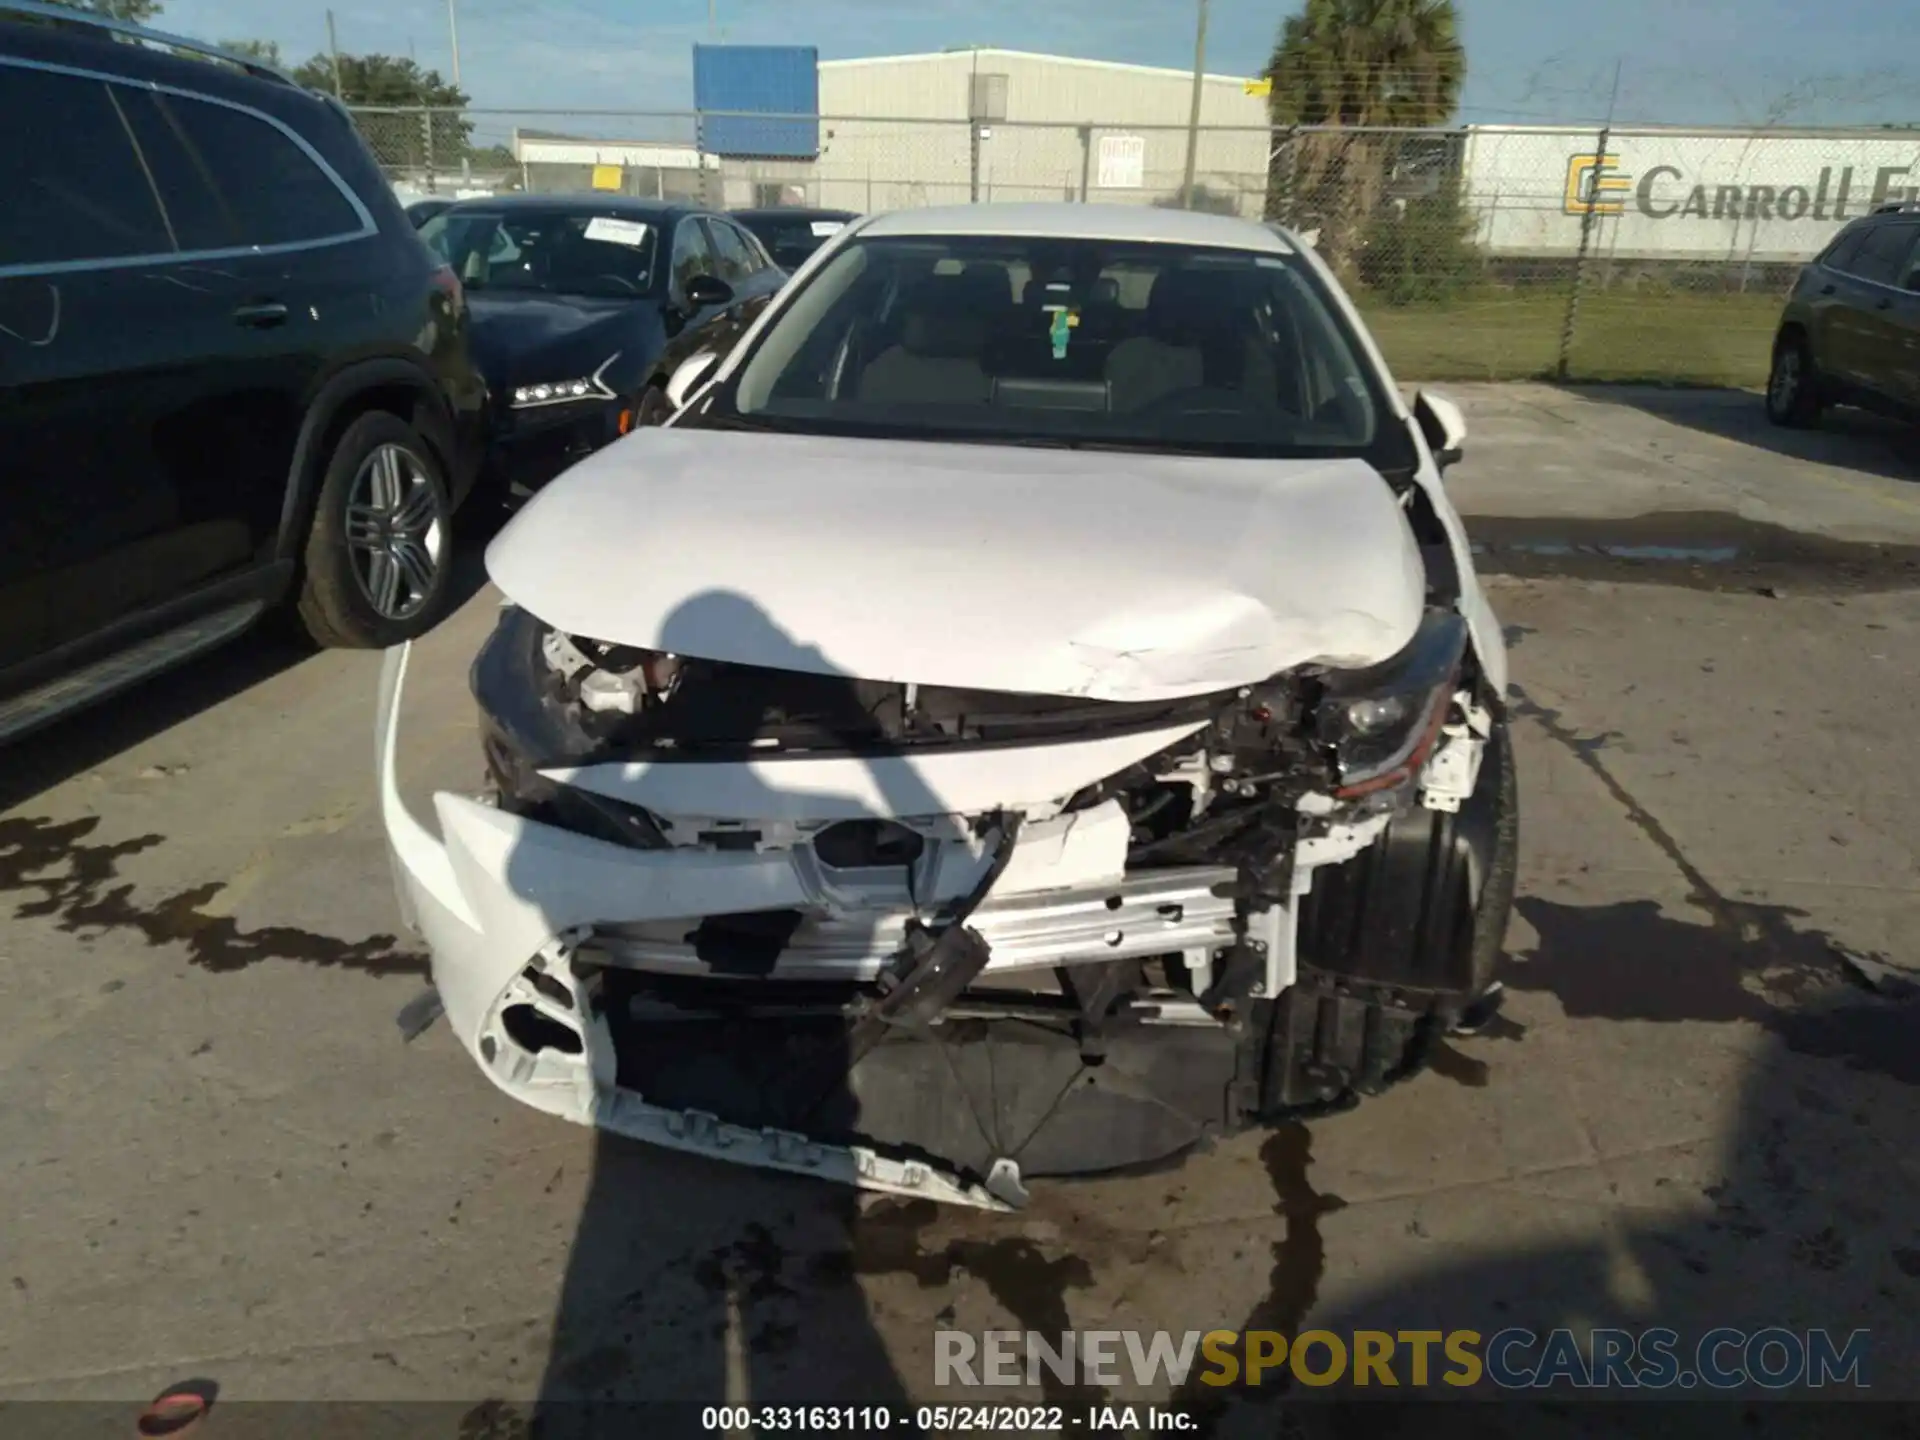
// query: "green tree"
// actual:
[[1420, 249], [411, 117], [381, 80], [137, 12], [267, 52], [1368, 62], [1342, 71]]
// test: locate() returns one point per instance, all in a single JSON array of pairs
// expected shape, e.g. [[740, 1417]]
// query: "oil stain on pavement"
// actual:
[[1293, 1280], [1691, 550], [889, 1239], [56, 872]]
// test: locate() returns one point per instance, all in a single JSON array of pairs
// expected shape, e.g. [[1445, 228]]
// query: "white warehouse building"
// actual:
[[897, 132], [903, 131]]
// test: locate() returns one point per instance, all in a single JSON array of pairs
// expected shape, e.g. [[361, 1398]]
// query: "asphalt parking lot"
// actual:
[[219, 1157]]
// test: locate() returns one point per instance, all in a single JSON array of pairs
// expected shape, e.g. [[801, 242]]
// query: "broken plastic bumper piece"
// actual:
[[536, 932]]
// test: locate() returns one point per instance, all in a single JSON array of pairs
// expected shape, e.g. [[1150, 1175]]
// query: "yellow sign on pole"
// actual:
[[607, 177], [1262, 86]]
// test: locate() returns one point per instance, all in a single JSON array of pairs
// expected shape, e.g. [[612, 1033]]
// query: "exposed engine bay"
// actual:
[[970, 937]]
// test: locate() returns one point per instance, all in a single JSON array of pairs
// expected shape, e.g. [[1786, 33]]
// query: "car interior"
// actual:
[[547, 253], [1225, 342]]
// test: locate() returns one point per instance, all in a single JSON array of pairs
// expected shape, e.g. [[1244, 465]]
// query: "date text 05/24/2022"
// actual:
[[996, 1419]]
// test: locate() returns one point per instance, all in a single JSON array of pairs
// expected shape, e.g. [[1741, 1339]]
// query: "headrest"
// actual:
[[1192, 299], [985, 283], [944, 314], [944, 336]]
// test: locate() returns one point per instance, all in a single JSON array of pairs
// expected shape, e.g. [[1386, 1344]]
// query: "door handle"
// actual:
[[1826, 289], [1886, 303], [262, 316]]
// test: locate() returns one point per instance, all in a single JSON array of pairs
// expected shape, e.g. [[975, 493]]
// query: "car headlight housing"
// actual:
[[1382, 723], [565, 392]]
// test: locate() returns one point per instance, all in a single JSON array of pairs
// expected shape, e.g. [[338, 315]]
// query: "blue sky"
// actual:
[[1682, 61]]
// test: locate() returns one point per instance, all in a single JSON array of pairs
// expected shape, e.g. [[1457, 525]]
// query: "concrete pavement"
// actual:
[[219, 1157]]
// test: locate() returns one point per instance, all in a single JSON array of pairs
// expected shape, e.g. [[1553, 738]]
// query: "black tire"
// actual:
[[654, 407], [1794, 392], [1394, 945], [336, 604]]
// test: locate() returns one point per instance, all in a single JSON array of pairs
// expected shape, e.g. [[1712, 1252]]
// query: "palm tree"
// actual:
[[1346, 65], [1368, 62]]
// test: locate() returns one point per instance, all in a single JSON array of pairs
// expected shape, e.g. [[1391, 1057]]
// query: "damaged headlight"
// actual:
[[1382, 722], [530, 720]]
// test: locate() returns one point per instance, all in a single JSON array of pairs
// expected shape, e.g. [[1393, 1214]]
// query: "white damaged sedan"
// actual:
[[1030, 712]]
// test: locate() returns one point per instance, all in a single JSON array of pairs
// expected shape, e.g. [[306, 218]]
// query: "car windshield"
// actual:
[[1070, 341], [551, 252], [790, 239]]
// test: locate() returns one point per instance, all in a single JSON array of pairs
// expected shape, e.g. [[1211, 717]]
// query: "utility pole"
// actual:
[[453, 33], [713, 20], [973, 129], [333, 48], [1193, 112], [1590, 209]]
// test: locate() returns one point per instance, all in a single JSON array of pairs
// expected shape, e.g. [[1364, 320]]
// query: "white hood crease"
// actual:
[[1097, 574]]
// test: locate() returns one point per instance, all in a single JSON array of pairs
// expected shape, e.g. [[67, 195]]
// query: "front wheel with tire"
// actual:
[[1394, 946], [1793, 389], [380, 546]]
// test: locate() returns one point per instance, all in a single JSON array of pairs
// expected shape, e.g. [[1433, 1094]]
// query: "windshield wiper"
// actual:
[[1075, 442]]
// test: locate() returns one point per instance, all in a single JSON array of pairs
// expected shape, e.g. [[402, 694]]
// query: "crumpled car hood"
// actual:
[[1106, 575]]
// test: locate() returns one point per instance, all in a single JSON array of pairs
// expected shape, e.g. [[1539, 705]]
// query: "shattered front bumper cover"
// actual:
[[525, 920]]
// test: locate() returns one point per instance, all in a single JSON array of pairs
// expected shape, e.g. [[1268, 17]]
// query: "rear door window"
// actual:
[[1882, 256], [735, 260], [75, 190], [1838, 254], [231, 178]]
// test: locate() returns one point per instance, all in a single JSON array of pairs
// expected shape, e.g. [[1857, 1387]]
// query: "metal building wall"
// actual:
[[777, 81], [895, 134]]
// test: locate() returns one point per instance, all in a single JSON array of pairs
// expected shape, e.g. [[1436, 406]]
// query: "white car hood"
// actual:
[[1059, 572]]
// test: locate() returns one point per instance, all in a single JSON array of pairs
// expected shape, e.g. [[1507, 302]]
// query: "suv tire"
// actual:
[[380, 547], [1793, 386], [1333, 1036]]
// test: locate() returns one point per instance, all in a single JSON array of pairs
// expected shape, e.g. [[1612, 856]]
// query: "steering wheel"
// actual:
[[620, 280]]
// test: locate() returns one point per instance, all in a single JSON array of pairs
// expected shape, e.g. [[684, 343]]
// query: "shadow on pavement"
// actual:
[[689, 1279], [1845, 437], [1809, 1225]]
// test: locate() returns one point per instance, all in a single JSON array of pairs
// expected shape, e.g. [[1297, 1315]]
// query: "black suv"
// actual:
[[230, 373], [1851, 330]]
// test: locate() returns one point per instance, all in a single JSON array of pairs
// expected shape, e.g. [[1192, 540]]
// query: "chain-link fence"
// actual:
[[1487, 252]]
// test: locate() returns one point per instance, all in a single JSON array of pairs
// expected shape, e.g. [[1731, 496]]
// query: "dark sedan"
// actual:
[[792, 233], [575, 299], [421, 211]]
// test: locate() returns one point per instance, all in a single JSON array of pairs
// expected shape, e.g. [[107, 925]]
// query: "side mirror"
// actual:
[[705, 290], [1444, 427], [686, 379]]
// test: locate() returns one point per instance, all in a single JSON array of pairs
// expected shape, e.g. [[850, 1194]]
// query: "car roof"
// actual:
[[86, 41], [583, 202], [1067, 221], [792, 212]]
